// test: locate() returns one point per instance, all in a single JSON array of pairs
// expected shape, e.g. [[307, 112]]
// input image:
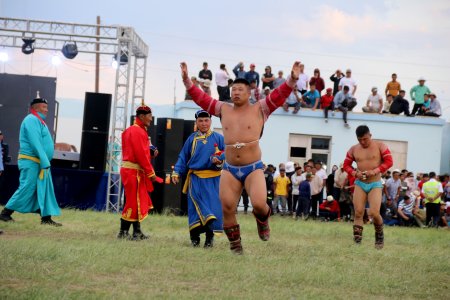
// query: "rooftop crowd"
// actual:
[[312, 92]]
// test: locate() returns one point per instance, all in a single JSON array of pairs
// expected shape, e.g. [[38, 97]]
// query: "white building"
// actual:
[[419, 144]]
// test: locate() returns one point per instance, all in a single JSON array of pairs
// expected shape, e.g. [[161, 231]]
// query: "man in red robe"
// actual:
[[137, 175]]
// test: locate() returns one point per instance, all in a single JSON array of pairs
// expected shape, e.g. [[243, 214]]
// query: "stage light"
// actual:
[[28, 45], [56, 60], [70, 49], [4, 56], [114, 64], [123, 58]]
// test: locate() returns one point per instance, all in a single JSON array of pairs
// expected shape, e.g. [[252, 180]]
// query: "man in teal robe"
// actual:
[[35, 193]]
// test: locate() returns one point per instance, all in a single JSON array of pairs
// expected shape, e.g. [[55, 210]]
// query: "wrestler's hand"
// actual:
[[370, 173], [175, 179], [295, 73], [184, 71], [359, 174], [216, 161]]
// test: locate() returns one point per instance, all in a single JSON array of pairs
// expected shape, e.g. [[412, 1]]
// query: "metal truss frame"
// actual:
[[120, 41]]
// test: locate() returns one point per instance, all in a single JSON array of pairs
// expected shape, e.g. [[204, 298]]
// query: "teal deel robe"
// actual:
[[36, 187]]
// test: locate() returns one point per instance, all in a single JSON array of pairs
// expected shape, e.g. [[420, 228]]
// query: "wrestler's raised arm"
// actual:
[[279, 95], [200, 98]]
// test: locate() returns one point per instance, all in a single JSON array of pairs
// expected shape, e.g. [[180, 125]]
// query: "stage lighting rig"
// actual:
[[70, 49], [28, 45]]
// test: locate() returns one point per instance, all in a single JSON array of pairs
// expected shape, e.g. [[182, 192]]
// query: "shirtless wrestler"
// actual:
[[242, 125], [372, 159]]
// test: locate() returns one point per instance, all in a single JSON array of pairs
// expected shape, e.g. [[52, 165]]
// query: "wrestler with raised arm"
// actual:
[[242, 125], [372, 159]]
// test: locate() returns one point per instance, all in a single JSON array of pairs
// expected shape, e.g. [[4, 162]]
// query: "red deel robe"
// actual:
[[136, 172]]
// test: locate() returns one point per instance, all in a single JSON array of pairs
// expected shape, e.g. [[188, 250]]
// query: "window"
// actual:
[[320, 143], [298, 152]]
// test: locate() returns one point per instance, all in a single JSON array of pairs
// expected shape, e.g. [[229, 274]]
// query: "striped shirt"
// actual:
[[407, 208]]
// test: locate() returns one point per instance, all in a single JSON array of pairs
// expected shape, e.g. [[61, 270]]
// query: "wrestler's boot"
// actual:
[[209, 241], [357, 233], [379, 236], [5, 215], [233, 233], [47, 220], [263, 225], [124, 228], [137, 233], [195, 237]]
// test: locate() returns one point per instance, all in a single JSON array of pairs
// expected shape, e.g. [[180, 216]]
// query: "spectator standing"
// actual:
[[195, 82], [254, 92], [348, 81], [239, 71], [417, 94], [393, 87], [281, 184], [336, 78], [392, 187], [304, 197], [330, 181], [302, 82], [317, 184], [435, 107], [223, 88], [206, 86], [268, 78], [205, 73], [311, 98], [344, 102], [317, 81], [252, 75], [268, 176], [326, 103], [296, 179], [279, 80], [265, 93], [374, 103], [432, 190]]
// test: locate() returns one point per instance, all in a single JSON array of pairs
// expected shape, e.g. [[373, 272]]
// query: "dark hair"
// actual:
[[406, 197], [222, 66], [402, 91], [346, 88], [393, 74], [432, 174], [298, 168], [425, 175], [362, 130], [389, 95], [205, 63]]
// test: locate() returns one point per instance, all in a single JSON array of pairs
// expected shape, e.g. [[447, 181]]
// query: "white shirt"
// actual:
[[222, 78], [302, 80], [296, 180], [322, 174], [375, 101], [348, 82]]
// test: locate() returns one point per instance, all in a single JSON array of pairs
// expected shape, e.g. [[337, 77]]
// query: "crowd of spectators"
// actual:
[[312, 92], [307, 192]]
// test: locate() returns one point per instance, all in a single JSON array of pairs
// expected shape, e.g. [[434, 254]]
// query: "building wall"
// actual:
[[427, 139]]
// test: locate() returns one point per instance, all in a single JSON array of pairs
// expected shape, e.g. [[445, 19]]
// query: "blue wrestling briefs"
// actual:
[[367, 187], [241, 172]]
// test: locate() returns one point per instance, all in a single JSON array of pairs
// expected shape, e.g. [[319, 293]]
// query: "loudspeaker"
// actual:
[[93, 150], [167, 196], [97, 112], [169, 140], [189, 128]]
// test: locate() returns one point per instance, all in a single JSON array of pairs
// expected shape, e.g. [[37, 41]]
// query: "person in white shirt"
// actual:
[[303, 80], [374, 103], [296, 179], [348, 81], [223, 89]]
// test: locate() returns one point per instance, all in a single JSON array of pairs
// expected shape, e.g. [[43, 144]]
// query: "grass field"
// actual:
[[302, 260]]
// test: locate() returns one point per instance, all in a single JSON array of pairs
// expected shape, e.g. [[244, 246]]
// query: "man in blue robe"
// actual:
[[201, 160], [35, 193]]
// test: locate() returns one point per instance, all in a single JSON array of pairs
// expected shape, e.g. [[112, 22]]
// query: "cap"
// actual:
[[290, 166], [207, 83], [202, 114], [348, 71], [416, 193], [329, 89], [432, 94], [330, 198], [252, 65], [374, 89], [193, 78], [396, 171], [241, 80], [421, 78], [267, 88], [143, 109], [38, 99]]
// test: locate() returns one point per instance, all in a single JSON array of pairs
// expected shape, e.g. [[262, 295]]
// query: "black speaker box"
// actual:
[[189, 128], [169, 140], [166, 197], [93, 150], [97, 112]]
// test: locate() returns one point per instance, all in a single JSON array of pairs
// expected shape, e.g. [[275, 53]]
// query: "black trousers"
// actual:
[[224, 93], [433, 211], [416, 108], [315, 201]]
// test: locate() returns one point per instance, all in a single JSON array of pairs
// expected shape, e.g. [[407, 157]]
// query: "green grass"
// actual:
[[314, 260]]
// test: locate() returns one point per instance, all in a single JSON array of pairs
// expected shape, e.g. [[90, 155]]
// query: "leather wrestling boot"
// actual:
[[379, 236], [233, 233], [5, 215], [137, 233], [357, 233], [47, 220], [263, 225], [124, 228], [209, 241]]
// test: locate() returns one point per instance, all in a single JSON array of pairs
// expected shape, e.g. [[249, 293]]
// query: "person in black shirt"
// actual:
[[400, 105], [205, 73], [268, 175]]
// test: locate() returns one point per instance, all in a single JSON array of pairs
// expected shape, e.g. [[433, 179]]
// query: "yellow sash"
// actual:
[[130, 165], [36, 160], [201, 174]]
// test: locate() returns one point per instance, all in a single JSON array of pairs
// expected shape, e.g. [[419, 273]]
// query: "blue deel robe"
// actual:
[[36, 187], [204, 206]]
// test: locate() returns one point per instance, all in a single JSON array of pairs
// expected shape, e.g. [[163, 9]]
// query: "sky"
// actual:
[[373, 38]]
